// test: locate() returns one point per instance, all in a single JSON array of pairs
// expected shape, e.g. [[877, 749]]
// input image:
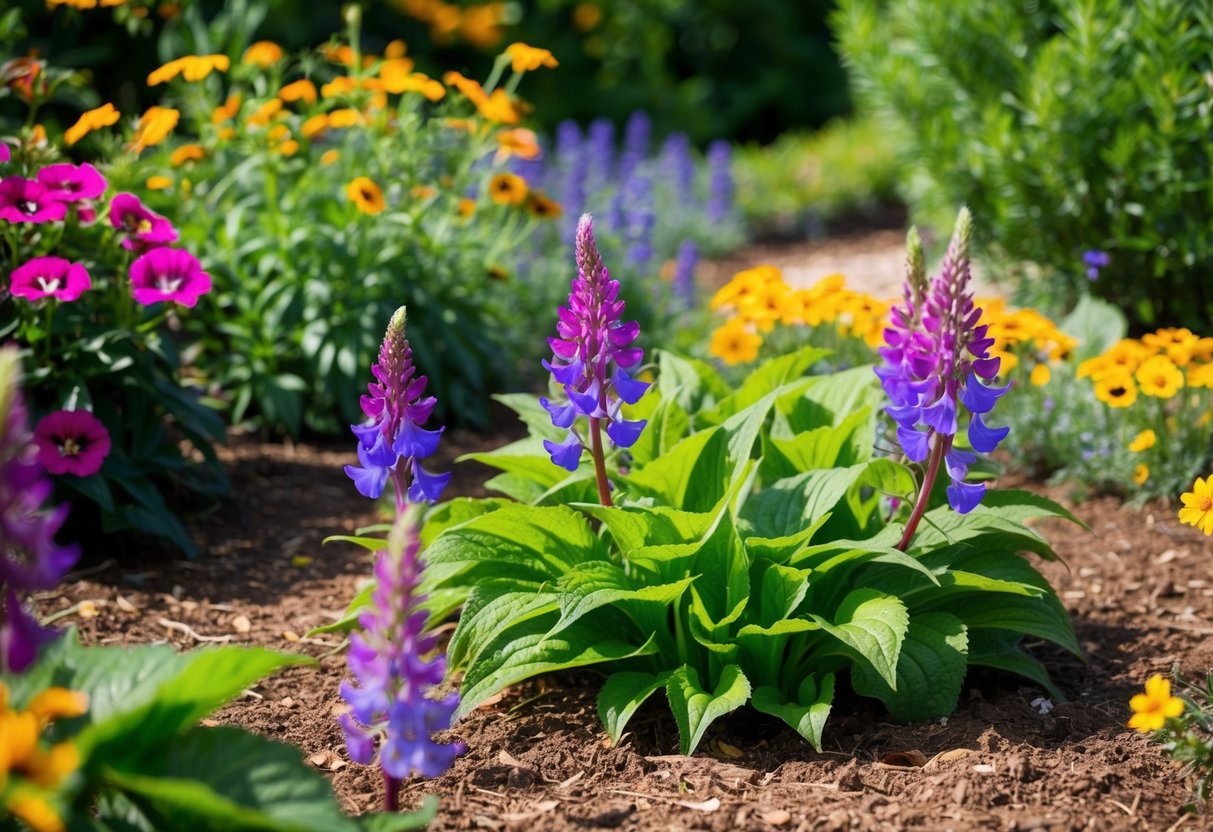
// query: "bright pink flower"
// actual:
[[72, 183], [24, 200], [169, 274], [5, 153], [86, 212], [49, 277], [71, 442], [146, 228]]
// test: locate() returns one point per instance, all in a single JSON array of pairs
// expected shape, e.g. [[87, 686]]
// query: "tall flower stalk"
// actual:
[[392, 443], [395, 665], [592, 355], [29, 558], [936, 359]]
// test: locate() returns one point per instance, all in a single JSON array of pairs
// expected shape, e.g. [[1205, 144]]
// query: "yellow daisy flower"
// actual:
[[366, 195], [1198, 506], [1144, 441], [1152, 709]]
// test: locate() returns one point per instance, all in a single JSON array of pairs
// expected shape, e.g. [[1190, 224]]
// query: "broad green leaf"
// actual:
[[1041, 617], [829, 399], [594, 584], [537, 542], [225, 778], [696, 708], [807, 713], [769, 376], [526, 458], [690, 382], [491, 607], [1095, 324], [537, 420], [622, 694], [783, 627], [783, 588], [1021, 506], [371, 544], [690, 477], [400, 821], [667, 424], [826, 447], [788, 506], [930, 670], [524, 651], [206, 680], [635, 526], [871, 626]]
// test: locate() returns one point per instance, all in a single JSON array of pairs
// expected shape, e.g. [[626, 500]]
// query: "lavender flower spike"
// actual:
[[29, 557], [935, 360], [592, 354], [392, 443], [389, 707]]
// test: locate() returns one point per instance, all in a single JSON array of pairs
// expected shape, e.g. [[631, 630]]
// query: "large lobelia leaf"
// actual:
[[525, 650], [221, 779], [806, 713], [930, 670], [692, 383], [791, 504], [871, 626], [594, 584], [696, 708], [769, 376], [622, 694], [492, 605], [667, 424]]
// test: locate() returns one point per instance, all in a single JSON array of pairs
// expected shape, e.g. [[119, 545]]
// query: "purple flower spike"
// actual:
[[591, 354], [389, 697], [29, 557], [393, 441], [934, 363]]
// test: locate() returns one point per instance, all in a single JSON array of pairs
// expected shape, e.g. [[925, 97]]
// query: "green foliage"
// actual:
[[1089, 119], [144, 764], [803, 179], [721, 579]]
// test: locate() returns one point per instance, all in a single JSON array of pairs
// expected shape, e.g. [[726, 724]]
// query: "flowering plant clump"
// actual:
[[1182, 724], [93, 289], [322, 189], [744, 552]]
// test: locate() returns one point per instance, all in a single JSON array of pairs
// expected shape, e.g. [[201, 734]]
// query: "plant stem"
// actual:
[[924, 493], [391, 793], [604, 485]]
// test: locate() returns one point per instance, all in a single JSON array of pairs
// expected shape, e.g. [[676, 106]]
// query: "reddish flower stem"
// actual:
[[604, 485], [924, 493], [391, 793]]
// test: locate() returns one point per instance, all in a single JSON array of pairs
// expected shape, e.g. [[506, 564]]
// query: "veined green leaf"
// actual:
[[783, 588], [667, 424], [1020, 663], [871, 627], [594, 584], [491, 607], [828, 399], [930, 670], [696, 708], [789, 505], [220, 779], [825, 447], [622, 694], [807, 713], [692, 383], [779, 549], [769, 376], [537, 420], [524, 651]]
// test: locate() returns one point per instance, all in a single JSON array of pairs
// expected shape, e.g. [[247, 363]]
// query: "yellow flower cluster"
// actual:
[[758, 299], [1158, 365], [479, 25], [28, 770], [1021, 334]]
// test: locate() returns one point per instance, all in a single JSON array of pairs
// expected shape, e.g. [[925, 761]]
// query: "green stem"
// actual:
[[50, 317], [924, 493]]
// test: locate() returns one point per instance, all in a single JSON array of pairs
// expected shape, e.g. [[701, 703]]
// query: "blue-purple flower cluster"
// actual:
[[389, 706], [392, 443], [936, 359], [29, 557], [591, 356]]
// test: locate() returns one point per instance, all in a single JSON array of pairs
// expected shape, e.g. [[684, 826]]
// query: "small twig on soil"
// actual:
[[1121, 806], [345, 641], [510, 713], [1187, 628], [92, 570], [1183, 819], [487, 791], [252, 693], [190, 631], [55, 616]]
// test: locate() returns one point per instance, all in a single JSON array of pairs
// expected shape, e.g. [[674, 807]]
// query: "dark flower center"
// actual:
[[71, 446], [29, 206]]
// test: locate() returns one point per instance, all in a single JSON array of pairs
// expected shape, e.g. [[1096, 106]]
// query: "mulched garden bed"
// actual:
[[537, 757]]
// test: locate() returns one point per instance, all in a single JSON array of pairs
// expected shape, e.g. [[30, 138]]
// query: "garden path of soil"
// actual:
[[1138, 585]]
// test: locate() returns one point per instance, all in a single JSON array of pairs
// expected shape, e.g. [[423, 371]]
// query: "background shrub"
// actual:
[[1066, 126]]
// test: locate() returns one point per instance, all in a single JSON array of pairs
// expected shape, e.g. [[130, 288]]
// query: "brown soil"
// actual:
[[538, 758]]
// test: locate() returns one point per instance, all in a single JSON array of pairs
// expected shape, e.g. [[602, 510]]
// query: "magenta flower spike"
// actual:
[[49, 277], [591, 356], [25, 200], [72, 183], [145, 229], [390, 710], [392, 443], [168, 274], [935, 361], [29, 557], [71, 442]]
